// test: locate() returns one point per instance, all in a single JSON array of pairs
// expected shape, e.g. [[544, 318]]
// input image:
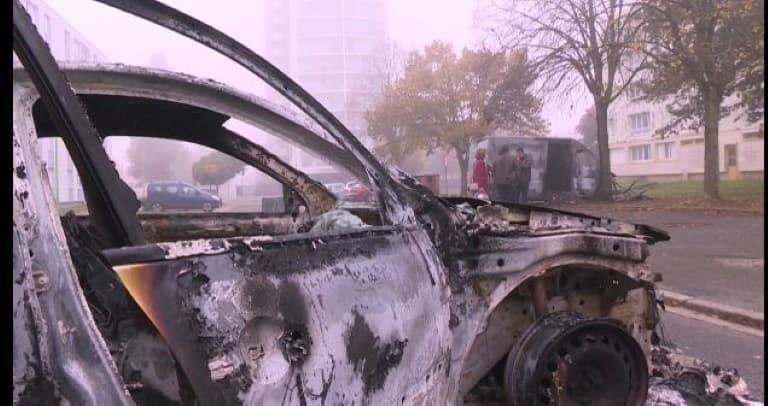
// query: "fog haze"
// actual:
[[412, 25]]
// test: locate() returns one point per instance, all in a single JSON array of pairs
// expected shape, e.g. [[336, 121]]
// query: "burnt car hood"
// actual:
[[649, 233]]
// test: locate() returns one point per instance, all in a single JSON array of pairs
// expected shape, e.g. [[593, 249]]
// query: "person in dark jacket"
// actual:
[[504, 175], [522, 179]]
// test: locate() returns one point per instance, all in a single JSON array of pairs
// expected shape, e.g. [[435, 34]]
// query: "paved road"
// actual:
[[721, 346], [720, 259]]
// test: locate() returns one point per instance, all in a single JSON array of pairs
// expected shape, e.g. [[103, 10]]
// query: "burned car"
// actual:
[[412, 300]]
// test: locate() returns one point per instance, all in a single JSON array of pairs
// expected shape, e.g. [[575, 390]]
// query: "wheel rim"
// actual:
[[157, 207], [207, 206], [569, 359]]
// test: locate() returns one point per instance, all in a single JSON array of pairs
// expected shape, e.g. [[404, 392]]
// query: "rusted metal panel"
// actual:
[[347, 319], [191, 226]]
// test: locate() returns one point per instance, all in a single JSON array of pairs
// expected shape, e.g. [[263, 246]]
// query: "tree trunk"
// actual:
[[712, 101], [462, 155], [604, 182]]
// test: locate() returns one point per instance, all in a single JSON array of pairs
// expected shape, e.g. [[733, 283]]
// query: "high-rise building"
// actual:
[[66, 45], [330, 47]]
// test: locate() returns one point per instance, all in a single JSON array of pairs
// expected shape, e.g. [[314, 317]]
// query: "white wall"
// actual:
[[688, 157]]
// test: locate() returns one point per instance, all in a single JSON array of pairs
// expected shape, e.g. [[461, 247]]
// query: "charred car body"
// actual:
[[411, 301]]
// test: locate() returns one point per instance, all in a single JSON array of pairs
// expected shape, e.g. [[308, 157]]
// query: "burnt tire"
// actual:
[[567, 358]]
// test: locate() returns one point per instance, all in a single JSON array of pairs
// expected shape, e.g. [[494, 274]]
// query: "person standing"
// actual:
[[504, 175], [481, 175], [522, 169]]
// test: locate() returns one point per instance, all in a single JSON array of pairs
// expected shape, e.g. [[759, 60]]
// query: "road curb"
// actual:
[[743, 317]]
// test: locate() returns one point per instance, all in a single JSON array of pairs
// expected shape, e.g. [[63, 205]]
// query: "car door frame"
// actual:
[[395, 210]]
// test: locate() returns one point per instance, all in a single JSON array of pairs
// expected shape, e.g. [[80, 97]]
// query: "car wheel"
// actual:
[[571, 359], [157, 207], [207, 207]]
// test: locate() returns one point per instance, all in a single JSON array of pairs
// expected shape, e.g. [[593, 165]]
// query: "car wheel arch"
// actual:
[[489, 340]]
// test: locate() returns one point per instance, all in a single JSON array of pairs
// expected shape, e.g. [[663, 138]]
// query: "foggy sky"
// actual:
[[412, 24]]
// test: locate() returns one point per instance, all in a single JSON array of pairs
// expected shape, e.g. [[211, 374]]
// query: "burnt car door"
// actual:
[[346, 312], [343, 310], [356, 316]]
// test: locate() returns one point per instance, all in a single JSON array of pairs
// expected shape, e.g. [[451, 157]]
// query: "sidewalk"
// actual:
[[734, 318]]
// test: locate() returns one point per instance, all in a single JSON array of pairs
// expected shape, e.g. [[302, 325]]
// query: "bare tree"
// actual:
[[576, 45], [587, 127], [381, 68]]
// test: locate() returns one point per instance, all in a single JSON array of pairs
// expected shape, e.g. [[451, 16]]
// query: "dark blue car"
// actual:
[[179, 195]]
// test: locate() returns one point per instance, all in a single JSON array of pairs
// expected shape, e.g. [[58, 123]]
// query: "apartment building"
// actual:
[[330, 47], [66, 45], [636, 151]]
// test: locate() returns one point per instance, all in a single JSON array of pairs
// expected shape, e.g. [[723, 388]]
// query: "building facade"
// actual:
[[330, 47], [636, 151], [66, 45]]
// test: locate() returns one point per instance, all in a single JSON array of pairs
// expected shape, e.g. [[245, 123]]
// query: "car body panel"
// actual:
[[330, 317]]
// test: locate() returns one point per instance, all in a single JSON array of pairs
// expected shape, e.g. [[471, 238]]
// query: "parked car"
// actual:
[[336, 188], [356, 192], [411, 299], [179, 195]]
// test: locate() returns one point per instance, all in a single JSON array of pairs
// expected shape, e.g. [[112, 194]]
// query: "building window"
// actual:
[[754, 135], [730, 155], [616, 155], [640, 152], [82, 51], [640, 122], [697, 141], [66, 45], [633, 91], [666, 151]]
